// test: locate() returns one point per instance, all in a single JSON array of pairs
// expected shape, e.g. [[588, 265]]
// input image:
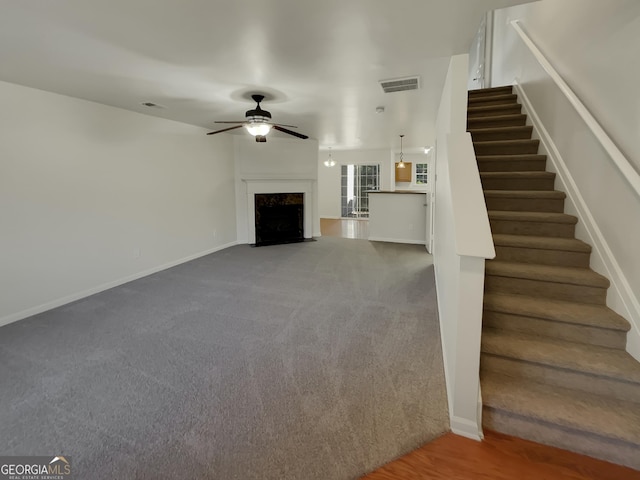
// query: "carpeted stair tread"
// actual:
[[549, 273], [595, 414], [535, 194], [518, 175], [557, 310], [510, 157], [518, 180], [519, 132], [485, 99], [547, 217], [497, 147], [587, 359], [514, 162], [480, 92], [542, 243], [513, 119], [489, 110]]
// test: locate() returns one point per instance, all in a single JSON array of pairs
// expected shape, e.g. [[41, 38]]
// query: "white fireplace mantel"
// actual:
[[278, 185]]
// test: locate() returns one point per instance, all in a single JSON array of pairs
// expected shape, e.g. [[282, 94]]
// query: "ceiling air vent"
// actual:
[[400, 84]]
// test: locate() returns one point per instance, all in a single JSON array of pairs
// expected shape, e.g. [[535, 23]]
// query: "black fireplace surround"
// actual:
[[279, 218]]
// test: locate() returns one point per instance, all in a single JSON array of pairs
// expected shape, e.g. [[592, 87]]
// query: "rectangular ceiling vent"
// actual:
[[400, 84]]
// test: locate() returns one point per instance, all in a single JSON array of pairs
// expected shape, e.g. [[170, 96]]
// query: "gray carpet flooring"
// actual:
[[316, 360]]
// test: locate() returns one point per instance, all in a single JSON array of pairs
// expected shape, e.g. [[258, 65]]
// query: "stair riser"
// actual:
[[557, 330], [511, 165], [517, 183], [497, 122], [546, 433], [520, 148], [492, 100], [540, 229], [539, 256], [563, 378], [487, 92], [522, 133], [495, 110], [548, 205], [538, 288]]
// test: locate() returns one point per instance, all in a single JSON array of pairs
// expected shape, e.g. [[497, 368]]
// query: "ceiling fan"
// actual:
[[258, 123]]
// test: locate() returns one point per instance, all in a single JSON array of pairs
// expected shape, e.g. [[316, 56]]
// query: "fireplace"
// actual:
[[279, 218]]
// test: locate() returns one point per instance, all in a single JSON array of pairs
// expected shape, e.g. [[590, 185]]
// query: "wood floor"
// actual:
[[498, 457], [345, 227]]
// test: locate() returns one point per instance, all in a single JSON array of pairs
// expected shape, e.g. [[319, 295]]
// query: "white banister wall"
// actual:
[[462, 242], [597, 170]]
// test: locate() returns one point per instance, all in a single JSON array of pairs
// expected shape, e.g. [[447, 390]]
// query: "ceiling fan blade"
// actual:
[[283, 125], [225, 129], [295, 134], [239, 121]]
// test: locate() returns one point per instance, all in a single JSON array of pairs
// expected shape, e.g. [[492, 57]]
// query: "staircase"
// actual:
[[553, 366]]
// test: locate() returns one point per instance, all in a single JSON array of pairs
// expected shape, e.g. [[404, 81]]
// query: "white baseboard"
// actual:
[[465, 428], [58, 302], [397, 240], [620, 297]]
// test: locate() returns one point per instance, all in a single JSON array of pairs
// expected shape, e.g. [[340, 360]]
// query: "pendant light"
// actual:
[[401, 162], [329, 162]]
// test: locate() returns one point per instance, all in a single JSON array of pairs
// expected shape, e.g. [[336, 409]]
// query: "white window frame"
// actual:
[[415, 173]]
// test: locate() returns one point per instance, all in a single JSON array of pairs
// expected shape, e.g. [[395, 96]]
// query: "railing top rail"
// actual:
[[470, 218], [623, 164]]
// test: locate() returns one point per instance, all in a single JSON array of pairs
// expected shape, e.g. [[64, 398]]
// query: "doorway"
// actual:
[[356, 181], [480, 55]]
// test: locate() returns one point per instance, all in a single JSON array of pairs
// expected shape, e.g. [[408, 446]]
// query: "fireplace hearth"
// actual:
[[279, 218]]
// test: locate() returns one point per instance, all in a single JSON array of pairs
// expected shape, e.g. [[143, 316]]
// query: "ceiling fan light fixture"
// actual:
[[258, 129], [258, 123]]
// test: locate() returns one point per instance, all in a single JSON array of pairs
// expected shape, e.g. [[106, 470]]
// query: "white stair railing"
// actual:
[[618, 158]]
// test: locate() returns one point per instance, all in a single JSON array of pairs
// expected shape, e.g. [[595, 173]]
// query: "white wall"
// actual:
[[462, 241], [92, 196], [288, 165], [596, 53], [398, 217], [329, 177]]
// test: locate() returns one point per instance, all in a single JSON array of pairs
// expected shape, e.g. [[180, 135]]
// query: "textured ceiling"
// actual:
[[319, 62]]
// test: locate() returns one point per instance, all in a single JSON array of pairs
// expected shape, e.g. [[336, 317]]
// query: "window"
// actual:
[[421, 173], [356, 181]]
